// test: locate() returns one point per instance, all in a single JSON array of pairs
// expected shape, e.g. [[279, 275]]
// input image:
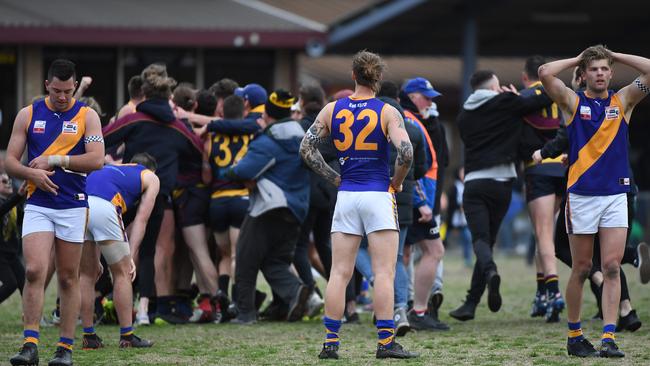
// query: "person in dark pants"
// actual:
[[12, 270], [490, 125], [279, 204]]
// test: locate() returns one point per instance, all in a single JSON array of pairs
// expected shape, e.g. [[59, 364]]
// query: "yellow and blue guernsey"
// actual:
[[362, 144], [121, 184], [224, 152], [598, 147], [52, 132]]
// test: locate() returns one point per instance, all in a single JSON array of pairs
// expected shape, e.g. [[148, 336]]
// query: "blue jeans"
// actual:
[[364, 265]]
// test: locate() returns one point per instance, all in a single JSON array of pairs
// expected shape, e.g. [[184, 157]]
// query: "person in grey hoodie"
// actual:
[[278, 205], [490, 125]]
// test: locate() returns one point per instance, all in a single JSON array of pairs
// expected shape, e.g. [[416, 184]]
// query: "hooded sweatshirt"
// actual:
[[490, 127], [155, 130], [273, 161]]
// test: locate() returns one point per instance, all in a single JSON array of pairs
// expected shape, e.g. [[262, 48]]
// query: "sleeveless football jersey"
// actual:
[[361, 144], [226, 151], [598, 147], [52, 132], [121, 184]]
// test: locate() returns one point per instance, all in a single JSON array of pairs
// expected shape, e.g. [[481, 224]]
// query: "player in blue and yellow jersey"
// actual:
[[111, 192], [361, 127], [597, 126], [545, 187], [64, 141], [230, 200]]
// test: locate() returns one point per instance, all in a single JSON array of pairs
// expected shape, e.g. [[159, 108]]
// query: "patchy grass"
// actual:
[[509, 337]]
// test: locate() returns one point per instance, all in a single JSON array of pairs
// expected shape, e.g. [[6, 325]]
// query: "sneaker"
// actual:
[[610, 350], [433, 305], [142, 319], [298, 305], [314, 305], [643, 253], [243, 319], [539, 306], [169, 319], [554, 308], [204, 312], [394, 350], [91, 341], [28, 355], [133, 341], [494, 297], [56, 317], [223, 303], [464, 312], [329, 352], [582, 348], [402, 325], [352, 318], [425, 322], [62, 357], [629, 322]]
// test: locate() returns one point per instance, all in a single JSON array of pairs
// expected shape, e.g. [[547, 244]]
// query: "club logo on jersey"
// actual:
[[39, 126], [585, 112], [343, 160], [69, 128], [612, 112], [80, 197]]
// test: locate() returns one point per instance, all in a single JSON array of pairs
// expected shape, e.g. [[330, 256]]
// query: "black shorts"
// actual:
[[419, 231], [191, 205], [538, 185], [227, 212]]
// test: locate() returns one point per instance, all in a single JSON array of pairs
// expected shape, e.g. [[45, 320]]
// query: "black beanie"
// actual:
[[279, 104]]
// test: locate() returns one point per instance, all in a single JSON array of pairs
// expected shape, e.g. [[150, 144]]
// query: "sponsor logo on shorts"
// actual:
[[80, 197], [585, 112], [39, 126], [69, 128], [612, 112], [624, 181]]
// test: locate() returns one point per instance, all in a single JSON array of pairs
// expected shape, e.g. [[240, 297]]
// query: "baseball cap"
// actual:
[[254, 93], [420, 85]]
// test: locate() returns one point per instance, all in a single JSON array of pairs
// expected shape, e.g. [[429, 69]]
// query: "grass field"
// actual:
[[509, 337]]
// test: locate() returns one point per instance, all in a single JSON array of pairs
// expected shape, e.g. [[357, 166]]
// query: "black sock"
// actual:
[[541, 284], [224, 282], [552, 286]]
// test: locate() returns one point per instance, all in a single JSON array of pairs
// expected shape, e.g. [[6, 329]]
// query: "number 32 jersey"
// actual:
[[225, 151], [361, 144]]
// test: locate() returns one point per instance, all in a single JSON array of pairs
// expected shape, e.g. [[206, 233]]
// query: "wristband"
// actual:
[[58, 161], [644, 88]]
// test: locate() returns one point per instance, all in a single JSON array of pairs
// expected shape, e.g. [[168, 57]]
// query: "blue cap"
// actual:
[[254, 93], [420, 85]]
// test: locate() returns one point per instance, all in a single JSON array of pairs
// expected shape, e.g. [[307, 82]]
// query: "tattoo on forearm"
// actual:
[[313, 158], [400, 119], [404, 153]]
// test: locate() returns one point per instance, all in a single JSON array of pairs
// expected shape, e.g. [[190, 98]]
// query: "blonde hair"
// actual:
[[156, 83], [368, 69], [594, 53]]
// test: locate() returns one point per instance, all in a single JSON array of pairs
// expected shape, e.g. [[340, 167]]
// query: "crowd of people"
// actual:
[[185, 195]]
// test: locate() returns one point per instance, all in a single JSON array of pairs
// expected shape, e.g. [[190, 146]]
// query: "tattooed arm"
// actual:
[[400, 138], [316, 134]]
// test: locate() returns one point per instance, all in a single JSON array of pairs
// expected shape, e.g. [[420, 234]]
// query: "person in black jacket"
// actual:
[[490, 125], [12, 270], [155, 130]]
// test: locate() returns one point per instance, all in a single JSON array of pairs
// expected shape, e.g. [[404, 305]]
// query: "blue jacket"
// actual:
[[273, 161]]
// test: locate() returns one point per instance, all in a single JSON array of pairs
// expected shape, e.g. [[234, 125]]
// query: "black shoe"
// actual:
[[62, 357], [581, 348], [28, 355], [352, 318], [554, 308], [133, 341], [464, 312], [394, 350], [91, 341], [629, 322], [329, 352], [494, 297], [298, 306], [433, 305], [259, 299], [425, 322], [223, 302], [539, 306], [610, 350]]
